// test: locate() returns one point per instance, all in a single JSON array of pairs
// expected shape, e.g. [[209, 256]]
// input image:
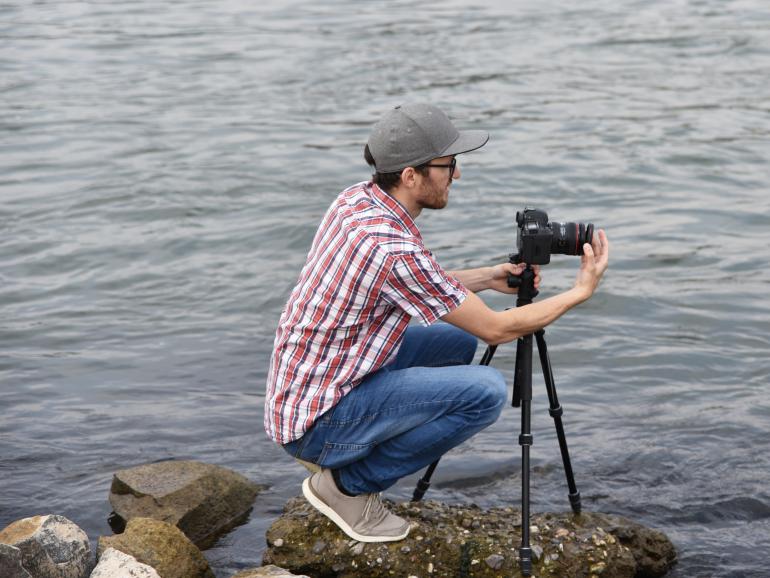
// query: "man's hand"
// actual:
[[499, 278], [593, 264]]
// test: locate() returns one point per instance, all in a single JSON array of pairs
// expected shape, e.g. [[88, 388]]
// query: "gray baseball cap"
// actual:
[[412, 134]]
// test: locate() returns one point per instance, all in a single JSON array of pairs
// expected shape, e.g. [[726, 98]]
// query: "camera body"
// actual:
[[537, 239]]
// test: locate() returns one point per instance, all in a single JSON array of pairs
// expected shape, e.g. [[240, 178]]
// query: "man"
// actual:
[[355, 389]]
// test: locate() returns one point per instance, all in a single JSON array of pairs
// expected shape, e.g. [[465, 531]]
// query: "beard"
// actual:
[[434, 196]]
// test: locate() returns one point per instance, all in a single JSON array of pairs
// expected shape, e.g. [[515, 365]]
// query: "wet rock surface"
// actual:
[[160, 545], [467, 541], [48, 546], [202, 500]]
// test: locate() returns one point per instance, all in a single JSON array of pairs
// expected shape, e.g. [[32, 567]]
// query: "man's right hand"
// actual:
[[593, 264]]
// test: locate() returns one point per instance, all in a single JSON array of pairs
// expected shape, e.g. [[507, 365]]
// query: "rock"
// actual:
[[653, 551], [10, 563], [202, 500], [495, 561], [267, 572], [443, 543], [49, 546], [160, 545], [116, 564]]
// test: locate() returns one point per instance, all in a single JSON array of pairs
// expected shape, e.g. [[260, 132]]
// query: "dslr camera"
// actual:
[[537, 239]]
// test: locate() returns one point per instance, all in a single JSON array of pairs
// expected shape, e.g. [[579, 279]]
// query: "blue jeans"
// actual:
[[407, 414]]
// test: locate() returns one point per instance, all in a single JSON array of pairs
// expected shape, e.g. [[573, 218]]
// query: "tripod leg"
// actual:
[[522, 388], [556, 412]]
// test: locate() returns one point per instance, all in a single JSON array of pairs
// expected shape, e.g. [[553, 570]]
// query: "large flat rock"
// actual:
[[468, 541], [202, 500]]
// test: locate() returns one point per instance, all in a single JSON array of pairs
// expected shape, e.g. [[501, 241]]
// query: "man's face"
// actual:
[[434, 192]]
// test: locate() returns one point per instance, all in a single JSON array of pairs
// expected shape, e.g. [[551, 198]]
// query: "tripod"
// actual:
[[522, 397]]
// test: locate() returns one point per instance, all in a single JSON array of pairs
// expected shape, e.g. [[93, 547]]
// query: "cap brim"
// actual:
[[469, 140]]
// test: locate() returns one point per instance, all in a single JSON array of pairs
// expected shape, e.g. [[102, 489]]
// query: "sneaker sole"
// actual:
[[322, 507]]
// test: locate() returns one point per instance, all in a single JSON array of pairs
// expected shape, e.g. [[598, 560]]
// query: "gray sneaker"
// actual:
[[363, 517]]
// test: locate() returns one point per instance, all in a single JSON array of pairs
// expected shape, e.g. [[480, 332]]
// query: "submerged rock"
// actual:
[[116, 564], [467, 541], [160, 545], [202, 500], [46, 547]]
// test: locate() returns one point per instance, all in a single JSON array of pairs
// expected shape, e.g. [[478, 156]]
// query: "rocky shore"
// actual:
[[166, 513]]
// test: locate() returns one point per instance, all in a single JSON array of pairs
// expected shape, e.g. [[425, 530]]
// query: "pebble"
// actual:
[[597, 568], [278, 543], [495, 561], [319, 547]]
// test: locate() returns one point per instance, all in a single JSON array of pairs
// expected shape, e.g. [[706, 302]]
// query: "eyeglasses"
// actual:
[[451, 166]]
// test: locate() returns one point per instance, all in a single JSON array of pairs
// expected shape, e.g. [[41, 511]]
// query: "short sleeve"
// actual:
[[419, 286]]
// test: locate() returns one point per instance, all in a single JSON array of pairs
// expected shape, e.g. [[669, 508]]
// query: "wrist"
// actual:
[[581, 293], [489, 275]]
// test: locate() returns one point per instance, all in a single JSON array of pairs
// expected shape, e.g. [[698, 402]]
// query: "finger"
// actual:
[[515, 269], [605, 242], [601, 248]]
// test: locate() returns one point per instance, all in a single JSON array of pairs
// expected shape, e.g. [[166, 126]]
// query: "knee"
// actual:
[[491, 392]]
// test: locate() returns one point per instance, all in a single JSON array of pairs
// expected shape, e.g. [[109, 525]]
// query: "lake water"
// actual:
[[164, 167]]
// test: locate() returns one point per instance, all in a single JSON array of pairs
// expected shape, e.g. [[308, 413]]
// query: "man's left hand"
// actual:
[[499, 277]]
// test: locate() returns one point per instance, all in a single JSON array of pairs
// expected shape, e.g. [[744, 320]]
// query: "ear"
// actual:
[[409, 177]]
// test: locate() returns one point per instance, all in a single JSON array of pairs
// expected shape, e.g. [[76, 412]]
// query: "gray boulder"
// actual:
[[116, 564], [267, 572], [48, 546], [11, 564], [160, 545], [202, 500], [467, 541]]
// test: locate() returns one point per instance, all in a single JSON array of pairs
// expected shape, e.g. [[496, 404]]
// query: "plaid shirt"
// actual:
[[367, 274]]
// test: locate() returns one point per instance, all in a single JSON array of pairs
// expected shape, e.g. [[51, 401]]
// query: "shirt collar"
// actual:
[[398, 210]]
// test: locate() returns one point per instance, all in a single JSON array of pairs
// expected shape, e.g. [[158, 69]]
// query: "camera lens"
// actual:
[[568, 238]]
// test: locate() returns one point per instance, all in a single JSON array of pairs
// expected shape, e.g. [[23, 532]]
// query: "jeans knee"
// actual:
[[492, 392]]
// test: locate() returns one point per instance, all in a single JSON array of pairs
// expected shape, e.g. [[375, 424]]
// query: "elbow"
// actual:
[[498, 336]]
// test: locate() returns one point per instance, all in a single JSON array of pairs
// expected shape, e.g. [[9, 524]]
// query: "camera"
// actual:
[[537, 239]]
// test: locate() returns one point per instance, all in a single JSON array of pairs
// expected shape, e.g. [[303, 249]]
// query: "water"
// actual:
[[164, 167]]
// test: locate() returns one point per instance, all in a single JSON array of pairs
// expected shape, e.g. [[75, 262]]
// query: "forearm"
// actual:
[[474, 279], [497, 327], [519, 321]]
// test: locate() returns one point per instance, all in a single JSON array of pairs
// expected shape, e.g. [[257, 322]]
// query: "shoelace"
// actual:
[[374, 511]]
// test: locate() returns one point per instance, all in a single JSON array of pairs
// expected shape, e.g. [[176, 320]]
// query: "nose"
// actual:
[[456, 174]]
